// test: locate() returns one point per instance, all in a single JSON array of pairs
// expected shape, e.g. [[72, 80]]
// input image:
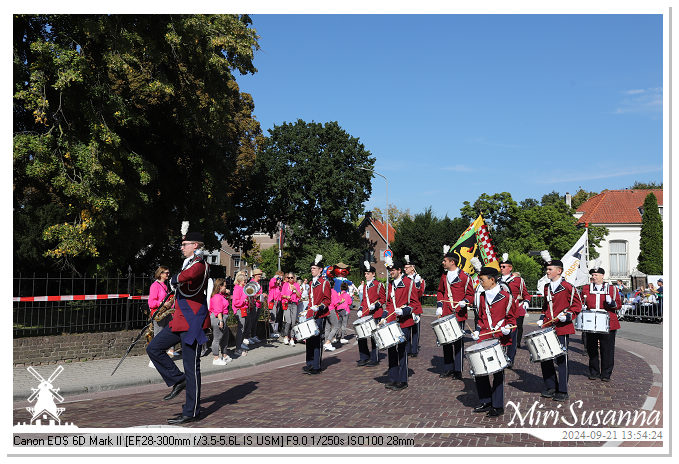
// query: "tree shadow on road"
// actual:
[[230, 396]]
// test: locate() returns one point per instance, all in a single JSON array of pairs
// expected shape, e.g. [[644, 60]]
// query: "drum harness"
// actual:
[[365, 292], [393, 295], [605, 290], [550, 297]]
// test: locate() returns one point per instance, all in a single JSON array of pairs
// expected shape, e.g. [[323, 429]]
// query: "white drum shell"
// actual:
[[592, 321], [388, 335], [543, 345], [486, 358], [364, 327], [306, 329], [447, 329]]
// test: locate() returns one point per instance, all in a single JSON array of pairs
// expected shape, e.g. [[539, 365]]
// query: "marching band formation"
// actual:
[[389, 319]]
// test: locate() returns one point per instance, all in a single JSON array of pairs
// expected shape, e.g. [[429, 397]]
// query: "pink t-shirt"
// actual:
[[340, 301], [239, 299], [157, 292], [219, 304], [274, 290]]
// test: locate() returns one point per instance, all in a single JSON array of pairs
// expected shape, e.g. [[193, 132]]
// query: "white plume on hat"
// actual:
[[406, 258], [505, 256], [446, 248], [388, 261], [318, 259], [367, 265], [545, 256], [476, 262], [185, 227]]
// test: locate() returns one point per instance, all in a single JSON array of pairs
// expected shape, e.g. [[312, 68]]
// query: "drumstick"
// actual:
[[548, 322], [499, 330]]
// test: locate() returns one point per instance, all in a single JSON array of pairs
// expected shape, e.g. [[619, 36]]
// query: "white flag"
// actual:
[[574, 265]]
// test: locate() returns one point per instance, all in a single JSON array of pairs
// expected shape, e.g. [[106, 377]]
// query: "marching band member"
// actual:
[[455, 292], [600, 296], [373, 301], [496, 313], [274, 299], [517, 287], [187, 326], [413, 347], [319, 303], [401, 298], [291, 296], [560, 307]]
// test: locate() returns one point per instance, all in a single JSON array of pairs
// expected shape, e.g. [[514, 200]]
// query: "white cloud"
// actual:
[[575, 177], [640, 101], [457, 168]]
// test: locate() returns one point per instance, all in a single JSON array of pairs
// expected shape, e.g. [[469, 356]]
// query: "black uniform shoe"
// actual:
[[176, 390], [313, 371], [400, 386], [306, 368], [446, 374], [605, 379], [412, 355], [182, 419], [390, 385], [372, 363], [483, 407], [593, 377], [457, 375], [548, 393], [510, 364], [560, 396], [494, 412], [362, 362]]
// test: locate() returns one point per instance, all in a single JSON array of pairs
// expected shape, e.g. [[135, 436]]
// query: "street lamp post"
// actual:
[[386, 212]]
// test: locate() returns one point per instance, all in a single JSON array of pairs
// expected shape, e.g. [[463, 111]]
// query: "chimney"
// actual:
[[568, 199]]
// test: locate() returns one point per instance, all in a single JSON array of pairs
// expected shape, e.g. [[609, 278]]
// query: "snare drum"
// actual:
[[592, 321], [486, 358], [305, 329], [447, 329], [388, 335], [364, 326], [543, 345]]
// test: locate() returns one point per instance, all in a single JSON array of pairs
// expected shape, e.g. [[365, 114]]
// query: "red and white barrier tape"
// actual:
[[110, 296]]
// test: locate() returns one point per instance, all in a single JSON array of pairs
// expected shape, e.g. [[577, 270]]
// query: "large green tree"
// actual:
[[499, 212], [125, 125], [423, 237], [650, 256], [309, 181]]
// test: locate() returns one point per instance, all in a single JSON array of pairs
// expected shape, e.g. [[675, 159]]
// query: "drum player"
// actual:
[[600, 296], [319, 303], [401, 298], [374, 296], [455, 292], [409, 267], [496, 314], [518, 289], [560, 307]]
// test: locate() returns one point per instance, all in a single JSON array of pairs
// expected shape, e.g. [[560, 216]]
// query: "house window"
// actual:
[[236, 262], [367, 234], [618, 257]]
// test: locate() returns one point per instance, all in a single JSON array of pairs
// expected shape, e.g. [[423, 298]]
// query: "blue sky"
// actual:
[[453, 106]]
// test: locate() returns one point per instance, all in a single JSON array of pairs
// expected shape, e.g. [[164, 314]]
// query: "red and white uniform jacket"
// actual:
[[373, 293], [565, 298], [191, 296], [419, 287], [401, 294], [496, 314], [461, 289], [594, 298], [517, 287], [319, 295]]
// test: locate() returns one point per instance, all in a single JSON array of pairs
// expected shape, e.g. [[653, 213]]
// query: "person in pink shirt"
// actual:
[[157, 292], [240, 309], [291, 303], [343, 307], [275, 311], [219, 310]]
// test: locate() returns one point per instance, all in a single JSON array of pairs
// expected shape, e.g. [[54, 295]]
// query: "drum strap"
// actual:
[[365, 292]]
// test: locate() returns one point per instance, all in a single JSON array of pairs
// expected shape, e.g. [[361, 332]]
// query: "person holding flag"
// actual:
[[455, 292]]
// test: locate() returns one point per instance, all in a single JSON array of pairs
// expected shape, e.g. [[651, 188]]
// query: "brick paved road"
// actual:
[[279, 395]]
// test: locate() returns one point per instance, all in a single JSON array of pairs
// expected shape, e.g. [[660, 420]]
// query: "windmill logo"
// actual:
[[45, 409]]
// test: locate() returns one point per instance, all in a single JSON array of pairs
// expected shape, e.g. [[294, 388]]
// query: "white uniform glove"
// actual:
[[562, 317], [475, 335], [359, 314], [462, 304], [539, 322], [314, 308], [609, 300], [505, 330], [418, 279], [371, 307], [398, 311], [525, 305], [439, 311]]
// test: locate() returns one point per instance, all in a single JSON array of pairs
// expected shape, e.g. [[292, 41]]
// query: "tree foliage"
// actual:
[[396, 216], [499, 212], [333, 252], [125, 125], [650, 256], [423, 237], [580, 197], [646, 186]]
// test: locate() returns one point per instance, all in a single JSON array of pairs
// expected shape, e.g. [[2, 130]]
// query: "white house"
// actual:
[[620, 212]]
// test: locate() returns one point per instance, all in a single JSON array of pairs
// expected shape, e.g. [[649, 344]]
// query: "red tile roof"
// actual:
[[382, 230], [616, 207]]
